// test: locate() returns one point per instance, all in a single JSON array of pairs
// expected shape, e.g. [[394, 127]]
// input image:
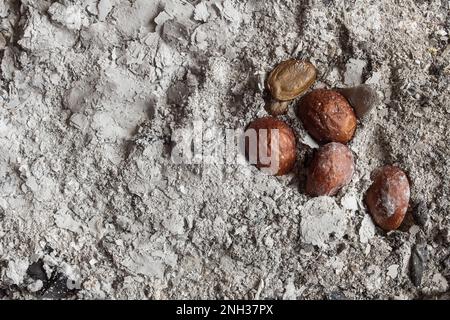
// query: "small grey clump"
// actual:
[[337, 295], [177, 33], [420, 213], [417, 264], [362, 98]]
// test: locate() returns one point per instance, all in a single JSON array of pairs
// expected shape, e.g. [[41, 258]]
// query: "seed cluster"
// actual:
[[330, 119]]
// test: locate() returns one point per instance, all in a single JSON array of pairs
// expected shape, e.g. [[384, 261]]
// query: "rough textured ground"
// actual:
[[93, 95]]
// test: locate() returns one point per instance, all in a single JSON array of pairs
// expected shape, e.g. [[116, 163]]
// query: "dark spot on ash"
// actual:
[[56, 288], [36, 271], [417, 264]]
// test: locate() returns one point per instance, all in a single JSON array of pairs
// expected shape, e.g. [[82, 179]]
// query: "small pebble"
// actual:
[[354, 71], [350, 202], [337, 295], [35, 286], [439, 283], [362, 98], [393, 271], [416, 264], [104, 7], [420, 213], [201, 12]]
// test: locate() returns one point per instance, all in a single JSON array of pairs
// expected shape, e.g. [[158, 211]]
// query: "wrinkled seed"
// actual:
[[290, 79]]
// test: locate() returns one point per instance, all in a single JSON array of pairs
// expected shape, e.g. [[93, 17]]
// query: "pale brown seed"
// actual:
[[290, 79]]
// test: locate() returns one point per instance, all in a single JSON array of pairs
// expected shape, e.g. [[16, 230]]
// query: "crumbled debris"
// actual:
[[366, 229], [322, 220], [354, 72]]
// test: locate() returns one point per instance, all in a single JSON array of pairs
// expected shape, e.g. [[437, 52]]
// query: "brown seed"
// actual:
[[331, 169], [388, 197], [327, 116], [291, 78], [270, 145]]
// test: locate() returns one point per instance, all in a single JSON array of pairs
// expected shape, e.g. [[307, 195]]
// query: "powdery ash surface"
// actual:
[[92, 97]]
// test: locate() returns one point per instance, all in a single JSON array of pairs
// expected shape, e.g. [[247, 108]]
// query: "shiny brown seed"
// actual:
[[327, 116], [291, 78], [270, 145], [388, 197], [331, 169]]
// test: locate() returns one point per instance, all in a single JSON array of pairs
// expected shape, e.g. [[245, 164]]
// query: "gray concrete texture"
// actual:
[[94, 95]]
